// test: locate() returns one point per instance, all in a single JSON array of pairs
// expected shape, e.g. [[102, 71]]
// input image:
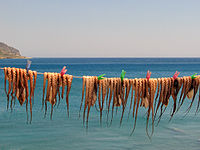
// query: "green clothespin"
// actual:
[[194, 76], [123, 75], [101, 76]]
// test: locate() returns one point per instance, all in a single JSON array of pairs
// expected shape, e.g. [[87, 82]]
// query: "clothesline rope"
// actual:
[[43, 73], [79, 77]]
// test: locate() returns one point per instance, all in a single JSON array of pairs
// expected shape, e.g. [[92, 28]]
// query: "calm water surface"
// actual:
[[69, 133]]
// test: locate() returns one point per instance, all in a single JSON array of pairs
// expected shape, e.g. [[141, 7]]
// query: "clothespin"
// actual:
[[148, 75], [101, 76], [28, 65], [63, 71], [194, 76], [176, 75], [122, 75]]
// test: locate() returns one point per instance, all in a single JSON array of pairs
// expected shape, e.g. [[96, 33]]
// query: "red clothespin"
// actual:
[[63, 71], [176, 75], [148, 75]]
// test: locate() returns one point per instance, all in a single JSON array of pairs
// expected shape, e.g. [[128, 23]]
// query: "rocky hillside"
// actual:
[[9, 52]]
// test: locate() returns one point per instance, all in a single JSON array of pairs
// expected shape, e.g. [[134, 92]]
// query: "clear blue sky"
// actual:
[[103, 28]]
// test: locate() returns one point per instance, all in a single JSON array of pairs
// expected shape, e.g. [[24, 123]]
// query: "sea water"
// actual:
[[183, 132]]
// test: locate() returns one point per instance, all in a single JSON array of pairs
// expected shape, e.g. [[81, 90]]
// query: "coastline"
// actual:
[[14, 57]]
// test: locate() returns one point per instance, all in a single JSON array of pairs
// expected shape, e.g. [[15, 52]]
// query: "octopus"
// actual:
[[54, 82], [90, 91], [18, 87]]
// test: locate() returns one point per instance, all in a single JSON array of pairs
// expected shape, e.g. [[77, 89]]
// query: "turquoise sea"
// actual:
[[181, 133]]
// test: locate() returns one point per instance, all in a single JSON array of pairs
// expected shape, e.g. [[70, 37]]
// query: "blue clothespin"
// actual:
[[28, 65], [101, 76]]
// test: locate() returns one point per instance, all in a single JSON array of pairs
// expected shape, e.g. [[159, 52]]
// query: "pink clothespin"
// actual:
[[148, 75], [176, 75], [63, 71]]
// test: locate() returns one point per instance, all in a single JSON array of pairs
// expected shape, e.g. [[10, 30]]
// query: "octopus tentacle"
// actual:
[[195, 84], [124, 88], [94, 96], [63, 85], [26, 90], [158, 91], [139, 88], [188, 85], [197, 109], [31, 91], [182, 92], [17, 83], [13, 71], [90, 96], [44, 85], [59, 83], [49, 78], [83, 90], [133, 88], [165, 100], [136, 95], [5, 78], [69, 83], [161, 96], [86, 97], [34, 85], [9, 87], [107, 94], [115, 80], [54, 83], [111, 95], [153, 85]]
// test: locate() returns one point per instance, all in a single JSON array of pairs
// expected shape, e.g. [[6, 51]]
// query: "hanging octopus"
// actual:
[[90, 91], [18, 87], [54, 82]]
